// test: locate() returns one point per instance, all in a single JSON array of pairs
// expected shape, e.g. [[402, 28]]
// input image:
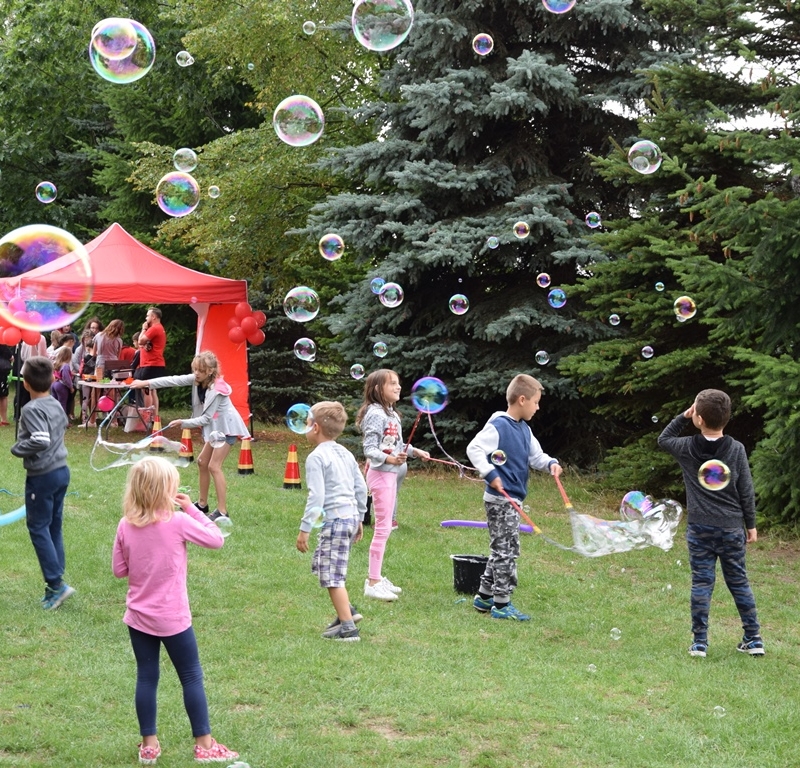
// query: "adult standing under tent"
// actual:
[[152, 342]]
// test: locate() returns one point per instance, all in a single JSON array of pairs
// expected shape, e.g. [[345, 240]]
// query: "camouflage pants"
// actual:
[[707, 543], [500, 577]]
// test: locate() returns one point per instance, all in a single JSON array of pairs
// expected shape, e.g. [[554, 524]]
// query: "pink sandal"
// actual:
[[216, 753], [149, 755]]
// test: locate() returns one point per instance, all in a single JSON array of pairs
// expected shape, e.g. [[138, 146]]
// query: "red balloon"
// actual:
[[12, 336], [249, 325], [233, 322], [236, 335], [31, 337], [257, 337], [243, 309], [17, 304], [260, 318]]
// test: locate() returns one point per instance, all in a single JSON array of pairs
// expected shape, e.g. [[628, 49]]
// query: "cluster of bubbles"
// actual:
[[380, 25], [184, 59], [429, 395], [331, 246], [305, 349], [482, 44], [46, 192], [121, 50], [177, 194], [557, 298], [714, 475], [301, 304], [297, 418], [459, 304], [298, 121]]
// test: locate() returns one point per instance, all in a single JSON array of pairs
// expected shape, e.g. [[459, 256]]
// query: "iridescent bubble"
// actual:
[[114, 38], [184, 59], [459, 304], [593, 220], [591, 668], [251, 66], [184, 159], [46, 192], [543, 280], [301, 304], [719, 711], [493, 242], [558, 6], [482, 44], [317, 515], [498, 457], [685, 308], [541, 357], [380, 25], [305, 349], [616, 633], [376, 285], [522, 229], [714, 475], [391, 295], [298, 121], [231, 218], [357, 371], [613, 319], [177, 194], [309, 27], [429, 394], [213, 191], [659, 286], [654, 419], [297, 418], [217, 439], [647, 352], [644, 157], [225, 525], [557, 298], [49, 298], [133, 66], [379, 349], [331, 246]]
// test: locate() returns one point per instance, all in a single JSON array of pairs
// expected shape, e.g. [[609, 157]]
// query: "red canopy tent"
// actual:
[[125, 271]]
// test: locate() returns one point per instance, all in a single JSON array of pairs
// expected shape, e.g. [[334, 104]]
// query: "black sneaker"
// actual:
[[353, 612], [752, 645], [337, 633], [202, 507], [698, 648], [215, 515]]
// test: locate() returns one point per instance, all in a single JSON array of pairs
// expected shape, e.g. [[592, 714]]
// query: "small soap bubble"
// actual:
[[714, 475], [301, 304], [309, 27], [429, 394], [541, 357], [251, 66], [719, 711], [177, 194], [685, 307], [557, 298], [184, 59], [317, 515], [357, 371], [613, 319], [184, 159], [297, 418], [225, 525], [591, 668], [114, 38], [130, 67], [558, 6], [659, 286], [391, 295], [677, 562], [380, 25], [331, 246], [593, 220], [459, 304], [482, 44], [645, 157], [622, 570], [46, 192], [522, 229], [498, 457], [376, 285], [654, 419], [298, 121], [379, 349], [647, 352], [213, 192], [493, 242], [543, 280], [616, 633], [669, 587], [232, 219], [305, 349]]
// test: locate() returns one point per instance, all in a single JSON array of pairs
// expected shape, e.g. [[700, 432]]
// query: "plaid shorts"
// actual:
[[333, 551]]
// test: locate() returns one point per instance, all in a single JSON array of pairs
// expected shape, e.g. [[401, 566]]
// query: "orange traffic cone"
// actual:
[[156, 446], [291, 477], [246, 458], [187, 450]]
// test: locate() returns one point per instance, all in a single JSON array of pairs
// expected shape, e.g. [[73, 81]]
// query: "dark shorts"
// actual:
[[150, 372], [4, 383]]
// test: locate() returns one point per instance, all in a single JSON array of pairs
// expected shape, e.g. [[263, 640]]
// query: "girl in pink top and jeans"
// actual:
[[150, 550]]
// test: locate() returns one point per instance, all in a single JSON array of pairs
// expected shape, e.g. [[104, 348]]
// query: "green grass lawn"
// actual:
[[432, 682]]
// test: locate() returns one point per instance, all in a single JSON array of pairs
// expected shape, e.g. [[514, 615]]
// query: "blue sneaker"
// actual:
[[698, 648], [509, 612], [57, 596], [481, 605], [752, 645]]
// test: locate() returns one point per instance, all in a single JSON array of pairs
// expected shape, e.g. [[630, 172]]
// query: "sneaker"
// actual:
[[353, 612], [149, 755], [698, 648], [752, 645], [215, 515], [508, 611], [395, 525], [56, 597], [481, 605], [345, 636], [202, 507], [216, 753], [391, 587], [378, 591]]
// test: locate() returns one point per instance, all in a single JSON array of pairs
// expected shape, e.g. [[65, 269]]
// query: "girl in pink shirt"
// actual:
[[150, 550]]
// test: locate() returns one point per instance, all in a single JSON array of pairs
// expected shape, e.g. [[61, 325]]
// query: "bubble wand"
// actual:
[[536, 529], [564, 496], [413, 429]]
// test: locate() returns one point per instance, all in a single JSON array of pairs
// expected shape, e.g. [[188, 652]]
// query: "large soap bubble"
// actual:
[[391, 295], [558, 6], [297, 418], [645, 157], [331, 246], [714, 475], [301, 304], [429, 395], [114, 38], [459, 304], [185, 159], [380, 25], [177, 194], [39, 293], [298, 121], [557, 298], [482, 44], [130, 67]]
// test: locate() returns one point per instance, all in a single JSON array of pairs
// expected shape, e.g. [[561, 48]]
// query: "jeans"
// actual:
[[44, 512], [182, 650]]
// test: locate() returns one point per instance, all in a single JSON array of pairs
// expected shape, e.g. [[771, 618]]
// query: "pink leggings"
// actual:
[[383, 486]]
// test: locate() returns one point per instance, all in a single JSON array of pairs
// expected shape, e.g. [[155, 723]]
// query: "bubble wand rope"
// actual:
[[536, 529], [462, 468]]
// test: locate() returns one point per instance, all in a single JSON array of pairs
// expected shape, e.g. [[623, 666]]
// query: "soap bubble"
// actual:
[[298, 121], [184, 59], [482, 44], [616, 633], [498, 457], [541, 357], [357, 371], [297, 418], [685, 308], [232, 218], [114, 38], [647, 352], [317, 515], [654, 419], [376, 285], [184, 159], [391, 295], [591, 668], [305, 349], [593, 220], [644, 157], [213, 192], [558, 6], [301, 304], [217, 439], [309, 27], [379, 349], [331, 246], [659, 286], [225, 525], [613, 319], [46, 192], [719, 711], [635, 505], [543, 280], [429, 394], [177, 194], [131, 67], [459, 304], [714, 475], [49, 300], [251, 66], [557, 298], [380, 25], [522, 230], [493, 242]]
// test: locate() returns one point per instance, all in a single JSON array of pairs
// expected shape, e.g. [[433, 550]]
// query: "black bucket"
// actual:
[[467, 572]]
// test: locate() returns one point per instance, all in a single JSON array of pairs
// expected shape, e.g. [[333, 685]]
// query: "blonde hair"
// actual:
[[207, 361], [331, 417], [62, 356], [150, 491], [522, 385]]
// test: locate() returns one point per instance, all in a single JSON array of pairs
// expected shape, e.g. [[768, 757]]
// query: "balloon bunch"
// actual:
[[11, 334], [247, 325]]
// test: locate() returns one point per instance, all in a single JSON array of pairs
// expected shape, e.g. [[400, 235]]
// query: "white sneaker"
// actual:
[[391, 587], [378, 591]]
